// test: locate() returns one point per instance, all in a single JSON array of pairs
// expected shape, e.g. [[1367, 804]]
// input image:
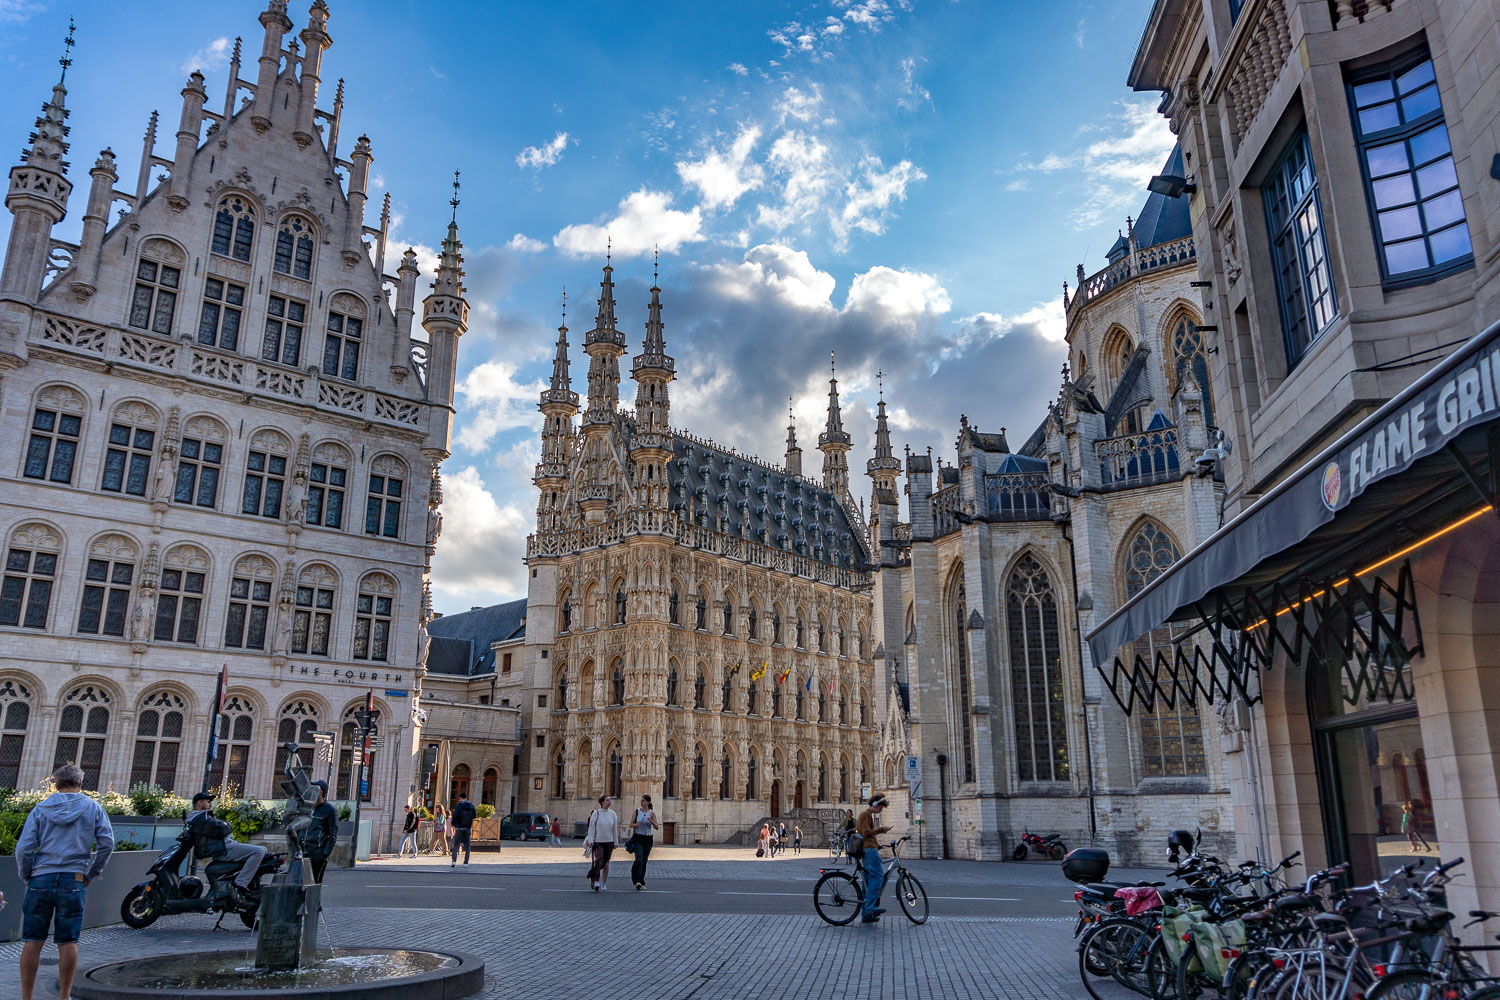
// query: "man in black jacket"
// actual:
[[213, 840], [463, 822], [409, 834], [320, 836]]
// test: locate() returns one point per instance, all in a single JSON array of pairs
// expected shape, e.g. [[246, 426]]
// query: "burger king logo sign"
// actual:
[[1333, 484]]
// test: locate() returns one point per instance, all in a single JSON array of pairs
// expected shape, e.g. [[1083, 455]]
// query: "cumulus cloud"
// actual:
[[645, 220], [494, 402], [721, 177], [908, 302], [525, 244], [538, 157], [210, 57], [869, 196], [479, 556], [738, 69], [1115, 157]]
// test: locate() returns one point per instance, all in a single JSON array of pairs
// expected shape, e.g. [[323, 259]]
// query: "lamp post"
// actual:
[[364, 718]]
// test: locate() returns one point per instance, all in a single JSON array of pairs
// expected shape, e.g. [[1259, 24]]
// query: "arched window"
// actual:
[[108, 578], [56, 428], [586, 685], [844, 779], [127, 457], [562, 691], [619, 604], [236, 733], [1171, 738], [249, 603], [328, 485], [616, 772], [30, 573], [701, 608], [345, 334], [958, 657], [726, 776], [351, 739], [200, 462], [82, 728], [158, 741], [822, 777], [843, 708], [234, 228], [670, 771], [1188, 357], [697, 782], [459, 785], [864, 708], [672, 684], [843, 636], [179, 602], [559, 769], [286, 321], [297, 723], [699, 684], [617, 684], [490, 786], [294, 248], [1036, 684], [265, 474], [312, 623], [372, 618], [822, 634], [383, 503], [750, 776], [158, 280], [15, 718], [591, 605]]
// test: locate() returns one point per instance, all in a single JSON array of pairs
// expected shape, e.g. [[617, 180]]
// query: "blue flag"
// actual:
[[808, 685]]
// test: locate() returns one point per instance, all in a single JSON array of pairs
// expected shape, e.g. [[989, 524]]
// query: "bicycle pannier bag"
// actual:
[[855, 848]]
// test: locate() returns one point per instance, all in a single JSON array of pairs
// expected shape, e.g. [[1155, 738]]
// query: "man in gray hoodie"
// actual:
[[63, 847]]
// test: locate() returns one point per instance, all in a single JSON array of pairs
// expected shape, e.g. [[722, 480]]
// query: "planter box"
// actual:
[[125, 869]]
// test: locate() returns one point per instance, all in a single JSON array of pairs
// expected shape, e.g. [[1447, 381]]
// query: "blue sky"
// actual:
[[906, 182]]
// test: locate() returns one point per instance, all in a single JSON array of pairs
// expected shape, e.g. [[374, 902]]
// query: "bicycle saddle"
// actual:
[[1300, 901]]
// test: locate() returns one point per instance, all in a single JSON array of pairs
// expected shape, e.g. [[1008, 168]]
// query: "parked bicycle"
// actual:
[[839, 896]]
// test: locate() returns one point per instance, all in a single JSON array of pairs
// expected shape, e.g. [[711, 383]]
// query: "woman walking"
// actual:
[[439, 829], [762, 849], [604, 833], [1409, 826], [554, 833], [797, 839], [643, 835]]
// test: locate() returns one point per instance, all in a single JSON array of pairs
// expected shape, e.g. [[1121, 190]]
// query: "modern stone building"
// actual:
[[1009, 552], [1341, 161], [228, 446], [697, 621]]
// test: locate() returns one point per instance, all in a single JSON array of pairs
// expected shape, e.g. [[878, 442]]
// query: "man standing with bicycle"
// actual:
[[868, 828]]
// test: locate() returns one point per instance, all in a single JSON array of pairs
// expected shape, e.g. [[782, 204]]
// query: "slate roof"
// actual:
[[1164, 219], [1022, 463], [461, 642], [775, 508]]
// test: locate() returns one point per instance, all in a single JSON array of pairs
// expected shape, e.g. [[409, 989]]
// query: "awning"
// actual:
[[1419, 451]]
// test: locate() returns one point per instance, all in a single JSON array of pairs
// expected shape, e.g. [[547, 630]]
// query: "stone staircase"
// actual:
[[815, 825]]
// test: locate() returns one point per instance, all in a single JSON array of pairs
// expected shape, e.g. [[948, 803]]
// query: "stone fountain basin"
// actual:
[[385, 973]]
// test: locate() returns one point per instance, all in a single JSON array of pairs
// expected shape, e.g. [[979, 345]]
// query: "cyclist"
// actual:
[[868, 826]]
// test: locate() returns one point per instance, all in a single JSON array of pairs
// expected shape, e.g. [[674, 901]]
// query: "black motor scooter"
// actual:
[[167, 890]]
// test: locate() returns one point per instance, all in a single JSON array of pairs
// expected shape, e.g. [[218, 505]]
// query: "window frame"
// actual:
[[262, 479], [203, 474], [372, 610], [345, 345], [300, 248], [25, 586], [113, 597], [54, 441], [239, 239], [1275, 203], [179, 606], [212, 333], [274, 344], [131, 453], [244, 609], [325, 489], [384, 506], [1404, 133], [308, 615], [155, 286]]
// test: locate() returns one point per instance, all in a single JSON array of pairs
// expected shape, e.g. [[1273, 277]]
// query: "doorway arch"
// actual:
[[799, 796], [776, 798]]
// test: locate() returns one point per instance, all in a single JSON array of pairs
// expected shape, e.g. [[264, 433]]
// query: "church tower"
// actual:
[[834, 442], [559, 405], [651, 448], [603, 344]]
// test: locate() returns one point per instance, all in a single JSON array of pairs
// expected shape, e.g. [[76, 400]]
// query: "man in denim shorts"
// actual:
[[62, 848]]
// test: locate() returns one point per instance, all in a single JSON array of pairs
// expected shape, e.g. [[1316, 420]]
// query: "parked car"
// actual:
[[525, 826]]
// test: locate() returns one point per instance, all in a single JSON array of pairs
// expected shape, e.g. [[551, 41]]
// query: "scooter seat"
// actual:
[[222, 867]]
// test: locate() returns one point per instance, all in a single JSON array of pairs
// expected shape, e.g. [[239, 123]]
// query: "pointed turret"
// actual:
[[884, 469], [315, 39], [277, 24], [38, 195], [793, 453], [445, 317], [604, 345], [834, 442], [654, 369], [559, 405]]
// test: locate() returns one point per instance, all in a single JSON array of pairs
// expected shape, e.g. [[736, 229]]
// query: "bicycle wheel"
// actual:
[[838, 897], [913, 898], [1102, 947], [1158, 977], [1192, 982], [1407, 984]]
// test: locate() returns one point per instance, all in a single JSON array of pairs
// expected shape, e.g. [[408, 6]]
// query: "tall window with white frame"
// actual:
[[1299, 251], [285, 321], [52, 449], [265, 482], [179, 605], [199, 464], [372, 625], [1410, 180], [106, 595], [154, 302], [341, 346], [26, 593], [223, 309], [383, 506], [127, 459], [312, 622]]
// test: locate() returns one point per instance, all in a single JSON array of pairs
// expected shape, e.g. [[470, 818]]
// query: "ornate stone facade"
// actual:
[[227, 447]]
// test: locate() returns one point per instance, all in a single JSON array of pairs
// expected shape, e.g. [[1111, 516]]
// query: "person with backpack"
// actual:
[[463, 824], [865, 848], [603, 834], [213, 840]]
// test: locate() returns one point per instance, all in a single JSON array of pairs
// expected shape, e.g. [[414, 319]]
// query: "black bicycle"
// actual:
[[839, 896]]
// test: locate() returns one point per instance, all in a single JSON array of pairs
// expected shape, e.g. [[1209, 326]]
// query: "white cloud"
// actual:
[[1046, 318], [802, 164], [1119, 154], [722, 177], [1019, 184], [479, 556], [869, 14], [799, 104], [778, 271], [495, 402], [738, 69], [794, 37], [869, 196], [525, 244], [210, 57], [913, 94], [645, 221], [536, 158], [907, 301]]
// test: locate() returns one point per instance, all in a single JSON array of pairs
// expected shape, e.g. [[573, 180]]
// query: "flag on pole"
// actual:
[[735, 669], [781, 677], [831, 681], [761, 672], [808, 685]]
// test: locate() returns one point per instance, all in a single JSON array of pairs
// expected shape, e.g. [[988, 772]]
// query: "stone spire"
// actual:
[[653, 371], [885, 467], [276, 24], [834, 442], [559, 405], [793, 453], [38, 194], [445, 317], [604, 345], [562, 381]]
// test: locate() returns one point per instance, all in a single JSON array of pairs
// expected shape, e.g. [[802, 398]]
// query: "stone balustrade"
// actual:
[[1143, 261], [1018, 496], [1139, 459]]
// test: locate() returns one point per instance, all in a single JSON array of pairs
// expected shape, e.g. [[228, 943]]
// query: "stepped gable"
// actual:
[[708, 482]]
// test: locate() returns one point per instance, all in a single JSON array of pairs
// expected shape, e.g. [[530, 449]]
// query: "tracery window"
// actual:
[[234, 228], [754, 625], [312, 622], [958, 618], [294, 248], [222, 313], [236, 733], [249, 604], [1036, 684], [30, 573], [15, 719], [1171, 739], [823, 778], [82, 728], [127, 458], [154, 302], [158, 741], [52, 449], [372, 618], [108, 575], [672, 608], [179, 602], [1188, 357], [296, 724]]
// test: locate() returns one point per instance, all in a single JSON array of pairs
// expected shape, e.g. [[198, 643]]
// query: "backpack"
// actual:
[[855, 845]]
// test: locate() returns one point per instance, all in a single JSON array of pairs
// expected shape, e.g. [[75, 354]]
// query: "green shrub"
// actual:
[[11, 821], [114, 803], [24, 801], [246, 817], [129, 844], [174, 807], [484, 810], [346, 811], [146, 799], [424, 813]]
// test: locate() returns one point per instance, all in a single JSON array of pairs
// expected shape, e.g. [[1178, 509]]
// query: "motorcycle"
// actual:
[[167, 890], [1051, 845]]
